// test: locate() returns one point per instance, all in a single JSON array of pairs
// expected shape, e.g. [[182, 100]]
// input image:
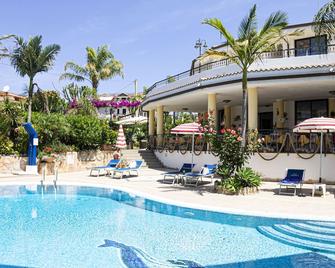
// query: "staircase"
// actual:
[[310, 235], [148, 157]]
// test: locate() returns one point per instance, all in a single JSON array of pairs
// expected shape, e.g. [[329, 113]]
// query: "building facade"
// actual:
[[292, 83]]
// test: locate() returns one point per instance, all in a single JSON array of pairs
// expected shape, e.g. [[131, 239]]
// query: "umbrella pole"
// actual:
[[192, 149], [321, 145]]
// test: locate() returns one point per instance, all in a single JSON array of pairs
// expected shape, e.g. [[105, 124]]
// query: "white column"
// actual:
[[252, 108], [151, 122], [227, 117], [160, 124], [212, 107]]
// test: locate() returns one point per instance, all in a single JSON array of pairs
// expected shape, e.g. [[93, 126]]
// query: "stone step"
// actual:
[[272, 233], [326, 224], [312, 228], [298, 233]]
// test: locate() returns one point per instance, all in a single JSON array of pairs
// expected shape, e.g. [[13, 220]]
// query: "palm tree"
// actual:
[[30, 58], [101, 65], [325, 19], [248, 47]]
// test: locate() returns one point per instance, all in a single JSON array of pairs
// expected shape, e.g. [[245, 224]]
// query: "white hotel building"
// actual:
[[290, 84]]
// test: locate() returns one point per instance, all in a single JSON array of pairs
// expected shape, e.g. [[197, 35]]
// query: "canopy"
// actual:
[[133, 120], [187, 128], [121, 139], [317, 124]]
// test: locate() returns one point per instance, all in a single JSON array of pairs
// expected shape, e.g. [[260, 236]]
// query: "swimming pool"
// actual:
[[76, 226]]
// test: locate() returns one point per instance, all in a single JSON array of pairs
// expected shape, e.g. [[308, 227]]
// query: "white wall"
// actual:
[[274, 169]]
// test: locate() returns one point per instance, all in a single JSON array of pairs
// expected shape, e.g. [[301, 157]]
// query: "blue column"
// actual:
[[32, 143]]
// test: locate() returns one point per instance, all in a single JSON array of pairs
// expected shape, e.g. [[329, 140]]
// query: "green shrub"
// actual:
[[6, 146], [244, 177], [51, 128], [86, 132], [108, 135]]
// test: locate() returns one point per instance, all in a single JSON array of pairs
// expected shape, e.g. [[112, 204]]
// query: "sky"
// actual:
[[152, 38]]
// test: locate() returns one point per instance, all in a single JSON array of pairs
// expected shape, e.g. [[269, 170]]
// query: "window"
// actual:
[[309, 109], [124, 111], [311, 46]]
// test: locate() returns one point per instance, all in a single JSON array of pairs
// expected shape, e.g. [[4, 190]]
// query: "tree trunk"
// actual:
[[30, 97], [244, 105]]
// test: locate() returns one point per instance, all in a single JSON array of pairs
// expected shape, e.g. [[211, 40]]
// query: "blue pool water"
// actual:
[[96, 227]]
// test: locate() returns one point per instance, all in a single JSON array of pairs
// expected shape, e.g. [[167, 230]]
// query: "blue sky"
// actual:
[[152, 38]]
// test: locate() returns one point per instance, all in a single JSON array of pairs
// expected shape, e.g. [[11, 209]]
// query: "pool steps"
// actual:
[[310, 235]]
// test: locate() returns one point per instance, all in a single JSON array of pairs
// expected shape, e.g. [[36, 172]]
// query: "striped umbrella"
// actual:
[[187, 129], [317, 125], [121, 139]]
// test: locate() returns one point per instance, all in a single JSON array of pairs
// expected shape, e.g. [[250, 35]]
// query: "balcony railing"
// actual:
[[273, 143], [285, 53]]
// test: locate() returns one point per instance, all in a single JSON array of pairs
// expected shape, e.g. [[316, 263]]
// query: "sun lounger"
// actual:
[[98, 170], [175, 176], [294, 178], [207, 171], [132, 168]]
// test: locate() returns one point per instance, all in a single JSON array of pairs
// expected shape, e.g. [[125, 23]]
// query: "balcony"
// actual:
[[302, 61]]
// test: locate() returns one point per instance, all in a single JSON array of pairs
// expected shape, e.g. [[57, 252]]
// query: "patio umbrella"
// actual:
[[187, 129], [133, 120], [121, 139], [317, 125]]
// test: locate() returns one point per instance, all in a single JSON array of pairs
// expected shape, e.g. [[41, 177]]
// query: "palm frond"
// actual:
[[248, 25], [325, 19], [72, 76], [275, 22], [217, 24]]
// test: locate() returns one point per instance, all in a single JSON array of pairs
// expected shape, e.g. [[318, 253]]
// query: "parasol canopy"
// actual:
[[121, 139]]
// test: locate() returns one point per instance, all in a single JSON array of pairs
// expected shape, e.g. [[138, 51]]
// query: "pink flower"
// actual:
[[233, 132], [228, 130], [239, 139], [222, 131]]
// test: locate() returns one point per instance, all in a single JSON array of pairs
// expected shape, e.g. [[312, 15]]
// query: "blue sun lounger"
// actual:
[[185, 168], [294, 178], [133, 167], [192, 178], [112, 164]]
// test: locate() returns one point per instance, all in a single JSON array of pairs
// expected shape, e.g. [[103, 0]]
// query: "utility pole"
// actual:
[[135, 85]]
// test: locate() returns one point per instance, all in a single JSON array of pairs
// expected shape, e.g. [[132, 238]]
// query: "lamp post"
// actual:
[[200, 44]]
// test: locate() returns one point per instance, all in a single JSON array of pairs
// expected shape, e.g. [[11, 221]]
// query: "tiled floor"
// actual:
[[149, 184]]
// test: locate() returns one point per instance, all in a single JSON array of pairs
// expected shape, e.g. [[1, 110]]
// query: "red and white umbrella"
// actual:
[[317, 125], [187, 129], [121, 139]]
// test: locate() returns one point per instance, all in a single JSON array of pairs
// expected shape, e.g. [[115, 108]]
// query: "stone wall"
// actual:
[[12, 163], [67, 162]]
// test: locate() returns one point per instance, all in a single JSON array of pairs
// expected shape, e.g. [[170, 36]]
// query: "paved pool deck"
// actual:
[[149, 184]]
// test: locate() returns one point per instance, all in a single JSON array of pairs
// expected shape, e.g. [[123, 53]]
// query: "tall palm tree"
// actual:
[[30, 58], [101, 65], [248, 47], [325, 19]]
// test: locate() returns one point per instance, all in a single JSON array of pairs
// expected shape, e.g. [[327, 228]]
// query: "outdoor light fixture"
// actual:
[[199, 44], [226, 101], [184, 109]]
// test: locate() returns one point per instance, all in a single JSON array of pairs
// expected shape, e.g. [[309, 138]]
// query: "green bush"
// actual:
[[244, 177], [6, 146], [108, 135], [52, 128], [86, 132]]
